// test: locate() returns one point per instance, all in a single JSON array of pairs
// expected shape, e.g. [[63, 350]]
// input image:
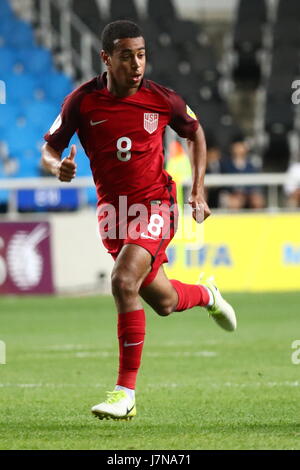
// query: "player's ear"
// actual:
[[105, 57]]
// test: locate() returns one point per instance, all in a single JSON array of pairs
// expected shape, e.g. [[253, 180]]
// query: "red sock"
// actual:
[[190, 295], [131, 333]]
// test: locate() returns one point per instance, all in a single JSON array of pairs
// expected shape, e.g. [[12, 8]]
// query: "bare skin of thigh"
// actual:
[[131, 268]]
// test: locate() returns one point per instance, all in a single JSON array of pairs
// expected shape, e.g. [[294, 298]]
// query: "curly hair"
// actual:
[[119, 30]]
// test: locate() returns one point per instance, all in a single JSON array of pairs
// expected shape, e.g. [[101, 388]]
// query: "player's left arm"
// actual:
[[184, 121], [197, 150]]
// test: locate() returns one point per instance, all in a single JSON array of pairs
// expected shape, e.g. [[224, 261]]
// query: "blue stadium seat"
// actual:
[[34, 93], [22, 139], [28, 167], [4, 194], [9, 114], [35, 60], [83, 164], [7, 22], [91, 196], [56, 86], [7, 26], [40, 114], [8, 59], [21, 88], [18, 33], [5, 10]]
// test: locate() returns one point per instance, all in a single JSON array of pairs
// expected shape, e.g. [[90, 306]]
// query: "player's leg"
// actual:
[[131, 267], [166, 296]]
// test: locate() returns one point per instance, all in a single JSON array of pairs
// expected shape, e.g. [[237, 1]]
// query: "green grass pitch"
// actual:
[[199, 387]]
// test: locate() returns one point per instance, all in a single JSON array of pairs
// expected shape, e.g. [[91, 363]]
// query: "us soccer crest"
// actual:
[[151, 122]]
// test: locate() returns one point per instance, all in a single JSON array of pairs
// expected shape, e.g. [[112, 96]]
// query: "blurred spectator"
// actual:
[[178, 165], [292, 185], [9, 166], [214, 166], [239, 162]]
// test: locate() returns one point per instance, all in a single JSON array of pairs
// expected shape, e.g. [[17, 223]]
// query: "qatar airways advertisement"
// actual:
[[25, 258]]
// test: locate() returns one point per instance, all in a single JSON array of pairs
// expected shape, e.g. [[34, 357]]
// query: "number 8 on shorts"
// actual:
[[155, 225]]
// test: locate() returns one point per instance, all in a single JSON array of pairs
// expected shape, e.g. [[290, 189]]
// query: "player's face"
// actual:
[[127, 64]]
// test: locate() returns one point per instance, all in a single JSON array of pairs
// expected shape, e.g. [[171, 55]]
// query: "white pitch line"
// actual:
[[65, 354], [87, 347], [67, 347], [83, 354], [158, 385], [47, 385], [182, 354]]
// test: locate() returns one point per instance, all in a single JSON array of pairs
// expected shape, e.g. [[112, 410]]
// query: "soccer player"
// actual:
[[120, 118]]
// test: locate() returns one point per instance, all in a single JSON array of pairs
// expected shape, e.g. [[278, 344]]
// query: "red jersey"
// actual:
[[123, 137]]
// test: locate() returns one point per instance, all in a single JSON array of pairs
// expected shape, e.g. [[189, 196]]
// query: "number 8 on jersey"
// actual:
[[123, 152]]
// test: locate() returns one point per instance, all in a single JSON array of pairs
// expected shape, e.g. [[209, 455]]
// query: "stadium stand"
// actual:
[[89, 13], [34, 91], [288, 10], [249, 25], [279, 112], [125, 9], [162, 13]]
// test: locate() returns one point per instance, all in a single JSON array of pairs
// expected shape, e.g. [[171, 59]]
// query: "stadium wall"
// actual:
[[59, 253], [245, 252], [80, 262]]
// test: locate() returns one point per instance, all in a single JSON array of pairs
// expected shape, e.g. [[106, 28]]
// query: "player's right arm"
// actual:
[[58, 138], [65, 169]]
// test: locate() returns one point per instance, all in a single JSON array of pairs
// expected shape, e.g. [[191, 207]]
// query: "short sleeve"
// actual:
[[183, 120], [66, 123]]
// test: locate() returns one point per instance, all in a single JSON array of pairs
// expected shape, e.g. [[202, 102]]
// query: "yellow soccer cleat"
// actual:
[[117, 406]]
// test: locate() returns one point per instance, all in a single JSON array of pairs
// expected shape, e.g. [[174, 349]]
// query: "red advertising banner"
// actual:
[[25, 258]]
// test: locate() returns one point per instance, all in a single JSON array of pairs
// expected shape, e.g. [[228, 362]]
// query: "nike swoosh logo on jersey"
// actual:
[[92, 123], [131, 344], [143, 235]]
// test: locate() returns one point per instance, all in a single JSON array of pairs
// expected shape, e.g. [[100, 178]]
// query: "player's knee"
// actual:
[[164, 309], [123, 285]]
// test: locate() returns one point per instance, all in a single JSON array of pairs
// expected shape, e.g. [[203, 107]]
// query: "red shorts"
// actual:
[[151, 225]]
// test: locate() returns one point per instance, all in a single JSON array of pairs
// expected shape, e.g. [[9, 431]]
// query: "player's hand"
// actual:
[[200, 208], [66, 168]]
